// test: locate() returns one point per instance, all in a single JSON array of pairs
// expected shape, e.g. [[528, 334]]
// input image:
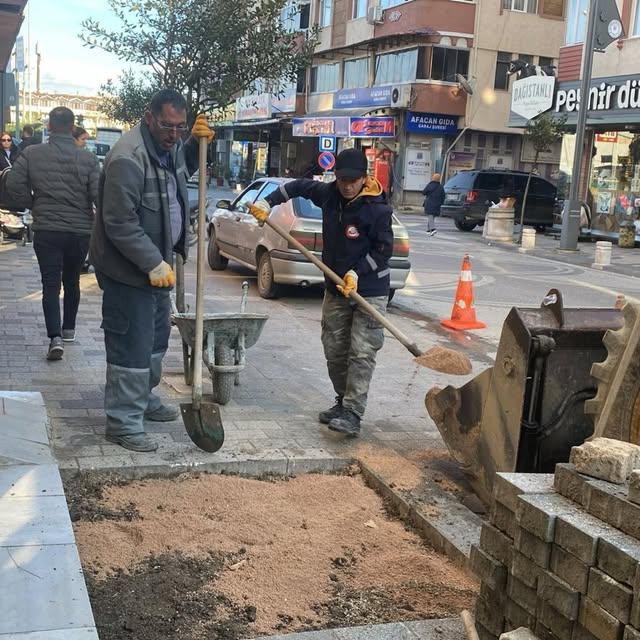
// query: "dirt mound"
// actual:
[[445, 361]]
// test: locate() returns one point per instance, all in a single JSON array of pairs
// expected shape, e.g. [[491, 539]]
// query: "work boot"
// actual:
[[325, 417], [347, 423], [164, 413], [68, 335], [56, 349], [136, 442]]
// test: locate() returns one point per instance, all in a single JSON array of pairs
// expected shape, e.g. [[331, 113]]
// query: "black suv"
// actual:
[[469, 194]]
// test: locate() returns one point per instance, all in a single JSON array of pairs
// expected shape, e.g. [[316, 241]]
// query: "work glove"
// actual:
[[350, 284], [260, 211], [201, 128], [162, 276]]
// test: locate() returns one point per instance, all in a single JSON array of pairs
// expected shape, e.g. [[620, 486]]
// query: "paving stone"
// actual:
[[537, 513], [579, 535], [569, 568], [630, 633], [611, 595], [508, 486], [491, 597], [517, 615], [496, 544], [635, 606], [605, 500], [523, 595], [490, 617], [606, 458], [634, 486], [488, 569], [561, 596], [30, 481], [630, 518], [599, 622], [532, 547], [549, 617], [519, 634], [544, 633], [580, 633], [483, 633], [443, 629], [503, 518], [619, 557], [525, 570], [88, 633]]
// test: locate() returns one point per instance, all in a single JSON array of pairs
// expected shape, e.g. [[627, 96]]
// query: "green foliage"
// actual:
[[209, 50], [544, 131], [127, 100]]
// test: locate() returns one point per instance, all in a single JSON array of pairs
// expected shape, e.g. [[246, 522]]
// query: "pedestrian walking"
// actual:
[[141, 220], [59, 183], [433, 201], [8, 151], [27, 138], [80, 137], [357, 244]]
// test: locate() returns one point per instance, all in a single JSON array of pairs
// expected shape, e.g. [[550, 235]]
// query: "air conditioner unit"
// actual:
[[401, 96], [374, 15]]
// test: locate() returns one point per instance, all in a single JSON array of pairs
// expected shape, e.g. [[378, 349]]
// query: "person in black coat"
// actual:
[[8, 151], [434, 199]]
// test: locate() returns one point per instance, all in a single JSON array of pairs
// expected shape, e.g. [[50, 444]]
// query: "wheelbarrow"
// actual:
[[227, 336]]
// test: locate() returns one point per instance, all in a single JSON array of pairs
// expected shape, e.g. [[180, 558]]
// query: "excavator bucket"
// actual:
[[527, 411]]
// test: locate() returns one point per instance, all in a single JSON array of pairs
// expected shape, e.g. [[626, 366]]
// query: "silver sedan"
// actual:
[[235, 235]]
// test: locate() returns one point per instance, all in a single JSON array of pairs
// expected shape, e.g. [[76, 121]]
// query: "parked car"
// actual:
[[469, 194], [234, 234]]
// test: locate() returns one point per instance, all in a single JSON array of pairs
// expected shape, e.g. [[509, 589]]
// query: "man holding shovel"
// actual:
[[357, 244], [140, 223]]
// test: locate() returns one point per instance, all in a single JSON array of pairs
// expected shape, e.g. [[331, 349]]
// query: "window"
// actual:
[[305, 12], [526, 6], [636, 20], [496, 143], [468, 140], [509, 143], [325, 13], [248, 196], [393, 68], [446, 63], [325, 78], [306, 209], [359, 9], [525, 57], [385, 4], [482, 141], [356, 73], [301, 81], [576, 21], [545, 62], [502, 66]]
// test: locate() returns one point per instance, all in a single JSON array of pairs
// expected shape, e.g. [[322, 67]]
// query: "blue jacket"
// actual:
[[434, 193], [356, 235]]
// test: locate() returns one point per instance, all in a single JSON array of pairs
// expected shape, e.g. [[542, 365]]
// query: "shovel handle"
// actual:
[[356, 297]]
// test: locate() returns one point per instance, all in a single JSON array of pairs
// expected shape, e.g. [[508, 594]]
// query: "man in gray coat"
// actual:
[[140, 222], [59, 183]]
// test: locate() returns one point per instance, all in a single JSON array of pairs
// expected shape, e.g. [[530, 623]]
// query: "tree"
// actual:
[[208, 50], [127, 100], [542, 132]]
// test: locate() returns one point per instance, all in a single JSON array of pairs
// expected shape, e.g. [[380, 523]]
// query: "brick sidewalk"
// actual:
[[273, 414]]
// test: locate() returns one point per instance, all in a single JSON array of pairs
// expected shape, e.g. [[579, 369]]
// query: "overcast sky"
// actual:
[[67, 65]]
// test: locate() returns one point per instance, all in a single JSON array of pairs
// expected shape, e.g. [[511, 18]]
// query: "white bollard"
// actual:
[[528, 238], [603, 254]]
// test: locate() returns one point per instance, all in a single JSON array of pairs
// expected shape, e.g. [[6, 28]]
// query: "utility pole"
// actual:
[[572, 208]]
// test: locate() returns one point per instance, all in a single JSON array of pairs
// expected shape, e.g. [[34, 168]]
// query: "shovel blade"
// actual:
[[204, 425]]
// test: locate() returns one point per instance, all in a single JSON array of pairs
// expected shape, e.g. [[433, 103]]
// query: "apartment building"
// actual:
[[610, 177]]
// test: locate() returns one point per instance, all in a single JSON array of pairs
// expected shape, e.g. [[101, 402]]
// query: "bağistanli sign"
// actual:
[[532, 96]]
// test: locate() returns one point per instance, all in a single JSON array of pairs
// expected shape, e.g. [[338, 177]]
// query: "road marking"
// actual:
[[609, 292]]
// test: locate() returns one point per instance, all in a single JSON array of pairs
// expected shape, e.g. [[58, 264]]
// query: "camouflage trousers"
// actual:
[[351, 339]]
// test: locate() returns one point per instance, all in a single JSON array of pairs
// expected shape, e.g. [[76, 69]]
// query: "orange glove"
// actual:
[[350, 284], [201, 128], [162, 276], [260, 211]]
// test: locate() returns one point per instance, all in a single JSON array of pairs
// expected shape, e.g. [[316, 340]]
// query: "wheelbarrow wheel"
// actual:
[[187, 360], [223, 383]]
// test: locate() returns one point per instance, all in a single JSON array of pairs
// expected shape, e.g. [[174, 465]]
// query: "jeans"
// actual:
[[351, 339], [60, 257], [431, 222]]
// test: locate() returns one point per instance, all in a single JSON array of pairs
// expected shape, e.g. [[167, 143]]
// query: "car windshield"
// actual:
[[306, 209], [462, 180]]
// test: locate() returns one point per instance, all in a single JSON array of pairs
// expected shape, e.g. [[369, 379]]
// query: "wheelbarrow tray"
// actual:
[[226, 327]]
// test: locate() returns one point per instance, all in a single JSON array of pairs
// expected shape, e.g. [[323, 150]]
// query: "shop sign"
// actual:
[[314, 127], [253, 107], [362, 97], [373, 127], [532, 96], [610, 136], [431, 123], [604, 96], [417, 168], [462, 161], [285, 102]]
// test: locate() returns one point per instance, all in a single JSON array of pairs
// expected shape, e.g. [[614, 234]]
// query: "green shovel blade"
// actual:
[[204, 425]]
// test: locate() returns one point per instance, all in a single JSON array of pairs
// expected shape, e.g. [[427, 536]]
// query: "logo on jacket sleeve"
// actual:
[[352, 232]]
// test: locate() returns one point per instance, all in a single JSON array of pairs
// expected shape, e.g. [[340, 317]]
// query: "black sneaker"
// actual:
[[56, 349], [325, 417], [348, 423]]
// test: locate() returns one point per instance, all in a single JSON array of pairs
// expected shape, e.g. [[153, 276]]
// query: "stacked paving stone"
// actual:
[[561, 554]]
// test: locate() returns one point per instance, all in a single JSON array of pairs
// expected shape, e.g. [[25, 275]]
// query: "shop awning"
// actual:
[[251, 123], [347, 113]]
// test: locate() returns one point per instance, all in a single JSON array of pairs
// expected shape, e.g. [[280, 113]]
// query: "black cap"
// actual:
[[351, 163]]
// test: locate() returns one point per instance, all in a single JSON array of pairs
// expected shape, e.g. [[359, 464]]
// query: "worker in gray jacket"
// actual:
[[141, 221], [59, 183]]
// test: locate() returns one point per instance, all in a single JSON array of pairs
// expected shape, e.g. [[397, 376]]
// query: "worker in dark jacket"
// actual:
[[434, 199], [357, 244], [59, 183], [141, 220]]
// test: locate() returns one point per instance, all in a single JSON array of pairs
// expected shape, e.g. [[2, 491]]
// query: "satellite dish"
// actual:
[[464, 83]]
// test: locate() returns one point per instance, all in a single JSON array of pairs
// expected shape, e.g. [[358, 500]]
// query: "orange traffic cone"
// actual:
[[463, 314]]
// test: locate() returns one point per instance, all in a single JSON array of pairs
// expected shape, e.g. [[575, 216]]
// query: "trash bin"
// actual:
[[627, 235], [498, 224]]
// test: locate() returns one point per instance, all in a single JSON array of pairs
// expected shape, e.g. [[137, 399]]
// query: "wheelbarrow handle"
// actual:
[[356, 297]]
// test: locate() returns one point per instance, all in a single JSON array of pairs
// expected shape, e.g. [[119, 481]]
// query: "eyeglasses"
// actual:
[[5, 139], [163, 126]]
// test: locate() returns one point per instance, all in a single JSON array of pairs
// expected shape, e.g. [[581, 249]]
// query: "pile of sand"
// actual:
[[445, 361]]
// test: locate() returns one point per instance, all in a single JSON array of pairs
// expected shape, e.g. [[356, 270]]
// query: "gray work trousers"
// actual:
[[351, 339]]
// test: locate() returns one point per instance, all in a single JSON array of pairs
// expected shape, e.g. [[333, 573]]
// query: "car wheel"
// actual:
[[267, 287], [216, 261], [541, 228], [392, 292], [465, 225]]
